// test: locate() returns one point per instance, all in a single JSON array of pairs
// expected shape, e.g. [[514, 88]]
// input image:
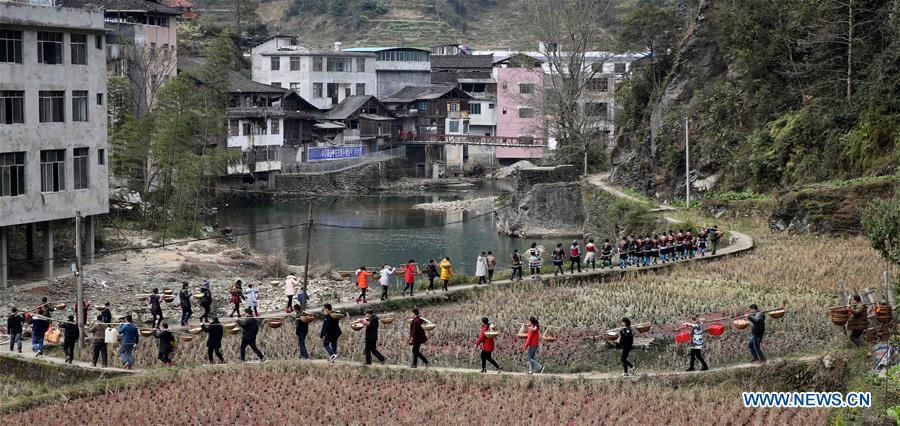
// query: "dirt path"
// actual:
[[601, 180]]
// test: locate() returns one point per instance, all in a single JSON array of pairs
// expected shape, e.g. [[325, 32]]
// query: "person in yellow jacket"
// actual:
[[446, 271], [362, 281]]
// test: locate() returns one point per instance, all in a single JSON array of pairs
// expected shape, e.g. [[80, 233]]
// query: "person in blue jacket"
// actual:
[[39, 326], [130, 338]]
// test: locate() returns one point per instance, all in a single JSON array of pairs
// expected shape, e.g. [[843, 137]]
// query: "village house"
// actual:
[[367, 123], [429, 117], [53, 136], [323, 77], [396, 67], [519, 112]]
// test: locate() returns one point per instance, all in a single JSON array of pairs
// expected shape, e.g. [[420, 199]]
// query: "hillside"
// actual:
[[776, 95], [484, 24]]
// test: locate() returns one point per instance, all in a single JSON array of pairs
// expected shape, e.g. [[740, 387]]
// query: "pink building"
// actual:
[[520, 81]]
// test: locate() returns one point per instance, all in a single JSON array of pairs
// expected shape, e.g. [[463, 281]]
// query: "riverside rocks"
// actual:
[[484, 203]]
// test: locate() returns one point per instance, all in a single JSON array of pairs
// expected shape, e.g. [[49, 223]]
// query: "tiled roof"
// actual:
[[414, 93], [120, 5], [347, 107], [237, 83], [462, 61]]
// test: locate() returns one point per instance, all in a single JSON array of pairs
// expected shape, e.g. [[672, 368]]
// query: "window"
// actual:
[[80, 164], [78, 46], [526, 88], [454, 107], [51, 106], [466, 126], [360, 64], [453, 126], [504, 111], [234, 127], [423, 106], [12, 106], [295, 86], [505, 86], [53, 170], [490, 106], [79, 105], [317, 63], [12, 174], [101, 157], [317, 90], [339, 65], [347, 92], [526, 112], [153, 51], [598, 85], [276, 63], [50, 48], [276, 84], [99, 99], [595, 109], [276, 126], [360, 88], [597, 67], [619, 67], [295, 63], [475, 108], [11, 46], [246, 128], [98, 41]]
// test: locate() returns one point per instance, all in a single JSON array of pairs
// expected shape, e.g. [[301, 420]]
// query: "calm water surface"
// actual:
[[418, 234]]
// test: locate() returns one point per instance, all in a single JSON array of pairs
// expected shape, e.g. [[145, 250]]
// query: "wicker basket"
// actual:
[[387, 320], [275, 323], [839, 316], [778, 313], [643, 327], [429, 326], [611, 336], [233, 331], [884, 313], [168, 291], [491, 333], [338, 315], [740, 324], [307, 318], [195, 330], [168, 298], [230, 326], [60, 306], [549, 339], [185, 337], [198, 296], [357, 326], [146, 332]]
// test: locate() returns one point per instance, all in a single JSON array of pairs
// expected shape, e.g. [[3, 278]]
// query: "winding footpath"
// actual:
[[739, 243]]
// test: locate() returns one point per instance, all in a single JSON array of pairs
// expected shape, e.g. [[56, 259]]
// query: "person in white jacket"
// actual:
[[481, 268], [289, 283], [384, 279], [252, 299]]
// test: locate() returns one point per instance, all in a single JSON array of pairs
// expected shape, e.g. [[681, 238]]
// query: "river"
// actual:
[[414, 234]]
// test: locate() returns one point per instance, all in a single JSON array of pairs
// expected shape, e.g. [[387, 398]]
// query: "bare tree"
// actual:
[[570, 34]]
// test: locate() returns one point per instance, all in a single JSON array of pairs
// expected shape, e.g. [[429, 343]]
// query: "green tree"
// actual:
[[881, 221], [653, 29]]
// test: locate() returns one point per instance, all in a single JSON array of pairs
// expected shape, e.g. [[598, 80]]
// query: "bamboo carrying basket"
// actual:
[[643, 327], [168, 298], [198, 295], [146, 332], [740, 324], [275, 323], [357, 326], [233, 331], [307, 318], [611, 336], [60, 306], [186, 337], [839, 316], [230, 326], [168, 291], [428, 326], [884, 313], [195, 330], [338, 315], [387, 319], [491, 333], [777, 313], [523, 332]]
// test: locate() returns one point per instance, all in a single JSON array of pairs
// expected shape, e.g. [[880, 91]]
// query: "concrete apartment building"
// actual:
[[396, 67], [322, 77], [53, 141], [141, 43], [520, 81]]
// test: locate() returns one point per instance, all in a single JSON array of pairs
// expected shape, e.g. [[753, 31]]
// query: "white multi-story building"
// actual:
[[322, 77], [53, 140]]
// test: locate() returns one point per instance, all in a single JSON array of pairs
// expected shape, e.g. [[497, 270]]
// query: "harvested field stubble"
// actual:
[[286, 392]]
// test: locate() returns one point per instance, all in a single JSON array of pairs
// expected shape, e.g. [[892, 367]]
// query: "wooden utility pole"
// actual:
[[79, 280], [687, 164], [309, 225]]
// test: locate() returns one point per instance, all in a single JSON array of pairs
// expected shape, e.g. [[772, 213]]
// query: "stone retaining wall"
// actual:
[[353, 181]]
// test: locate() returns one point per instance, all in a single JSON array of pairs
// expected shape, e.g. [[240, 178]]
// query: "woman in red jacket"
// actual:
[[487, 346], [532, 343], [417, 338]]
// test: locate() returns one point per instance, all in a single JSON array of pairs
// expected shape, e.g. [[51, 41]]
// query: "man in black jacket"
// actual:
[[331, 330], [70, 338], [205, 301], [14, 328], [626, 341], [166, 344], [758, 318], [184, 299], [106, 314], [371, 348], [249, 330], [214, 340], [302, 329]]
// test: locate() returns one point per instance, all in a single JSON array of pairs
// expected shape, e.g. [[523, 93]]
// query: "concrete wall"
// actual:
[[33, 136]]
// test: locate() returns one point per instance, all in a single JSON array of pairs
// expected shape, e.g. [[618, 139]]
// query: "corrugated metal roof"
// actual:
[[414, 93], [120, 5], [462, 61], [381, 49], [376, 117], [347, 107]]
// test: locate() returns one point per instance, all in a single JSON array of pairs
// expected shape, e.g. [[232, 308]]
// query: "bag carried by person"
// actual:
[[111, 336], [53, 335]]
